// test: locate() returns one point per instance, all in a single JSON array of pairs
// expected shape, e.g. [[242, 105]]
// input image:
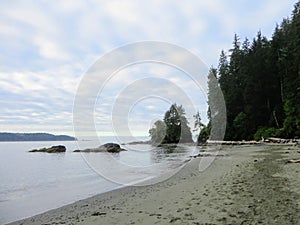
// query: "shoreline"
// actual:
[[229, 191]]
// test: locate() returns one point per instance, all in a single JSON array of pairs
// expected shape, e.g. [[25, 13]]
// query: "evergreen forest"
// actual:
[[260, 81]]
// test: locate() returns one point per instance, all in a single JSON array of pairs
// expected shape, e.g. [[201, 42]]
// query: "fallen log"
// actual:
[[294, 161], [281, 140], [218, 142]]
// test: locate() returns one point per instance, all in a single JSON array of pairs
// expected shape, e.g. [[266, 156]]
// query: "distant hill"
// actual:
[[34, 137]]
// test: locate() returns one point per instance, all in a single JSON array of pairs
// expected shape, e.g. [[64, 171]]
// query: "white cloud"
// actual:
[[8, 30], [123, 11], [50, 49], [47, 45], [38, 84], [150, 107]]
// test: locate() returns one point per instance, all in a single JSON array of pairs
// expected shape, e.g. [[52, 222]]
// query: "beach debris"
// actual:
[[99, 214], [206, 155], [53, 149], [294, 161], [108, 147], [219, 142], [270, 140], [174, 219], [274, 140]]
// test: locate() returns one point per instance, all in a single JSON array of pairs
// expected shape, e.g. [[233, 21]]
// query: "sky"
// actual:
[[48, 47]]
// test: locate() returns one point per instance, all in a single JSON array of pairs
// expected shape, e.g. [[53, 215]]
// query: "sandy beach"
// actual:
[[243, 185]]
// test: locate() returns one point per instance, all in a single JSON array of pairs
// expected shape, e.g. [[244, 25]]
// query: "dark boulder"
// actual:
[[108, 147], [111, 147], [53, 149], [77, 150]]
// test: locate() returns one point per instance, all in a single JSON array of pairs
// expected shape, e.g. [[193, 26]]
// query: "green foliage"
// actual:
[[204, 135], [240, 124], [177, 125], [173, 129], [198, 125], [217, 109], [266, 132], [260, 82], [158, 133]]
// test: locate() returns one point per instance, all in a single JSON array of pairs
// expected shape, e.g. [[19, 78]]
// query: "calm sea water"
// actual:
[[32, 183]]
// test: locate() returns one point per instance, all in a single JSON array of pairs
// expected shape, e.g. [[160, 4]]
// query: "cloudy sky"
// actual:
[[47, 47]]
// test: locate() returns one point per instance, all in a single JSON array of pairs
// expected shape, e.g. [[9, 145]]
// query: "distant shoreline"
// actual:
[[38, 141], [22, 137]]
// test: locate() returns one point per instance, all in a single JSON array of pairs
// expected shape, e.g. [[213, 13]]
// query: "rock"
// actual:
[[111, 147], [53, 149], [108, 147]]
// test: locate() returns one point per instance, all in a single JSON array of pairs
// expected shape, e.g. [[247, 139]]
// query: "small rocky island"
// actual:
[[53, 149], [108, 147]]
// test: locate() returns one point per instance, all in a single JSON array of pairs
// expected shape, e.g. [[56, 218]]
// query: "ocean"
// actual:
[[32, 183]]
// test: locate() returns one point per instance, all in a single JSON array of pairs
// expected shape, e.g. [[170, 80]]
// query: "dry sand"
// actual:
[[244, 185]]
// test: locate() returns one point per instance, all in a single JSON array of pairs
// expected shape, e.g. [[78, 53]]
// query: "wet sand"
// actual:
[[243, 185]]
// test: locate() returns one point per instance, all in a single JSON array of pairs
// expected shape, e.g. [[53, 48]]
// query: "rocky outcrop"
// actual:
[[108, 147], [53, 149], [111, 147]]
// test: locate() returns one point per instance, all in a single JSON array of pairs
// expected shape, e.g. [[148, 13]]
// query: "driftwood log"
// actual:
[[294, 161], [217, 142], [281, 141]]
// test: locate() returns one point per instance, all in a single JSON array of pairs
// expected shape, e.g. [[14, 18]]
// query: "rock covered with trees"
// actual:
[[173, 129]]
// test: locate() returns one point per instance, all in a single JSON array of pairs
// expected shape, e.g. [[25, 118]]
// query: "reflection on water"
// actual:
[[139, 163], [149, 155], [35, 182], [170, 153]]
